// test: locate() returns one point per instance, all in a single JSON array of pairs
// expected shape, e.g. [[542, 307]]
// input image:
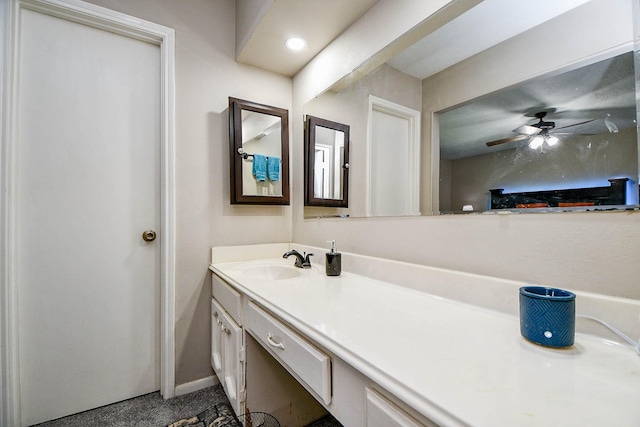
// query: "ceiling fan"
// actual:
[[538, 133]]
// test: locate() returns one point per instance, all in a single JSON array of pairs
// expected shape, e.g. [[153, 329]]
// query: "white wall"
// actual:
[[593, 252], [206, 75]]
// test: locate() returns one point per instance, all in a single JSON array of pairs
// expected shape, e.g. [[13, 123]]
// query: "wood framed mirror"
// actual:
[[326, 163], [259, 153]]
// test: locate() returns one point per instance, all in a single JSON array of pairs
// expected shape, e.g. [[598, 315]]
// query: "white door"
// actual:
[[389, 163], [393, 159], [88, 185]]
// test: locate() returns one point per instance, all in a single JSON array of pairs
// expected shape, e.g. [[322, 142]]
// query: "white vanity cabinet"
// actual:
[[227, 342], [381, 412], [238, 358], [314, 344], [266, 365]]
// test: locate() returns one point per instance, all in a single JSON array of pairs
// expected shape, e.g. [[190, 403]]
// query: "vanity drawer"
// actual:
[[228, 297], [380, 412], [302, 359]]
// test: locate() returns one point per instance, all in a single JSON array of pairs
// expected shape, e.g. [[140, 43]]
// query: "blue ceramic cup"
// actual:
[[548, 316]]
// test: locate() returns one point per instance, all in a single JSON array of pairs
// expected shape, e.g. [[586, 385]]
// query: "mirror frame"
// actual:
[[237, 154], [311, 123]]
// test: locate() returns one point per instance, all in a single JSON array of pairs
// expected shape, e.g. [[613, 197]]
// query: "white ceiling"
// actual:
[[605, 89], [321, 21], [466, 35], [317, 21]]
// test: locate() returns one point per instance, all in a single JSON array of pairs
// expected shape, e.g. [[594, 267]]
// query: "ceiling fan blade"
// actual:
[[576, 124], [573, 133], [506, 140], [528, 130]]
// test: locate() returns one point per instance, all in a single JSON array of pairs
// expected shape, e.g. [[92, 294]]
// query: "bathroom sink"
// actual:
[[271, 272]]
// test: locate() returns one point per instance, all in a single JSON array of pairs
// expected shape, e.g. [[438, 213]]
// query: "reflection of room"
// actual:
[[468, 180], [583, 87], [260, 136], [484, 99], [351, 106], [482, 146], [326, 161], [329, 155]]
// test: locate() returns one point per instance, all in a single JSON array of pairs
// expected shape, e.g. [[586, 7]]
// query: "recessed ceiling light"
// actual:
[[296, 43]]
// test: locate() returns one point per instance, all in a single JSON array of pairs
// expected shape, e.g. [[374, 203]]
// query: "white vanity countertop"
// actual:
[[456, 363]]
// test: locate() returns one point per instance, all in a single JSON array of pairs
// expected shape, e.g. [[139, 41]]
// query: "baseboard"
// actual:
[[196, 385]]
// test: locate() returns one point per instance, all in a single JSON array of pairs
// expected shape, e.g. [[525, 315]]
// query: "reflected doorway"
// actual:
[[393, 166]]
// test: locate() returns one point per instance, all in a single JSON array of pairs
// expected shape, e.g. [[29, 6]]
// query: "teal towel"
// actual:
[[259, 167], [273, 168]]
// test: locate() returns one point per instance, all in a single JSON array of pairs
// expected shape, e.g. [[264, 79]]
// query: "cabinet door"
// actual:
[[380, 412], [233, 363], [216, 338]]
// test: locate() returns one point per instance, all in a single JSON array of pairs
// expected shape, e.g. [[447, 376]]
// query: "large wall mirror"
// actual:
[[559, 149], [259, 145], [526, 112], [326, 148]]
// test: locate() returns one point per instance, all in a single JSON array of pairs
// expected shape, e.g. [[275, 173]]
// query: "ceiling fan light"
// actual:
[[552, 140], [536, 142]]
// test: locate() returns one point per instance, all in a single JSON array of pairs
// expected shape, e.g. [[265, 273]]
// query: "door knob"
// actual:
[[148, 235]]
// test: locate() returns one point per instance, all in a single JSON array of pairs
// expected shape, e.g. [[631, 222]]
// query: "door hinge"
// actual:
[[241, 354], [243, 395]]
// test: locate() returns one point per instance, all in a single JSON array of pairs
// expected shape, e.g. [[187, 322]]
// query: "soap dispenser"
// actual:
[[333, 264]]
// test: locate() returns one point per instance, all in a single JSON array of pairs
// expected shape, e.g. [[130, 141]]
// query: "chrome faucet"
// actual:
[[301, 261]]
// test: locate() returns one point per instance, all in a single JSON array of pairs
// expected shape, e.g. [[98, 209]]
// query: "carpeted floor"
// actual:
[[327, 421], [218, 415], [150, 410], [204, 408]]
